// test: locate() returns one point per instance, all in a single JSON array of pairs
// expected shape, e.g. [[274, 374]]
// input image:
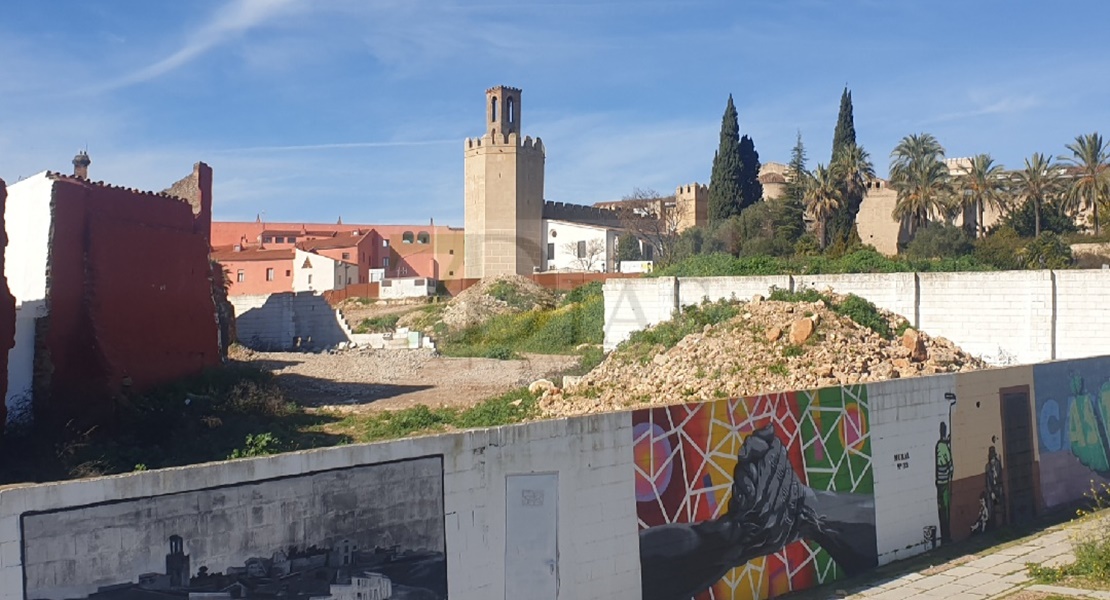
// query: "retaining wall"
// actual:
[[1009, 317], [287, 321], [658, 502]]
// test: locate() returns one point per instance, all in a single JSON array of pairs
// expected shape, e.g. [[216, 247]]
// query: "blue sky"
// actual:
[[313, 109]]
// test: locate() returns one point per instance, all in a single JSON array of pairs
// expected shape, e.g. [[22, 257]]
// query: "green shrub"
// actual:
[[864, 313], [690, 319], [380, 324], [261, 444], [940, 240]]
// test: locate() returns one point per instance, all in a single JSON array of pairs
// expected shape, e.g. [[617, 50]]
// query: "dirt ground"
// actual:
[[365, 380], [354, 312]]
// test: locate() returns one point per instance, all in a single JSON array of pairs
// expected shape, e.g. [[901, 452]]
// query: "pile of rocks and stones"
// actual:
[[769, 346]]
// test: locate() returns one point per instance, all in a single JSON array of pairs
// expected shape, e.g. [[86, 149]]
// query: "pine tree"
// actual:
[[751, 190], [724, 182], [790, 217], [845, 134]]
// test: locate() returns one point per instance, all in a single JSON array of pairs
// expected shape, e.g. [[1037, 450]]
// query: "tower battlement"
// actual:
[[503, 172]]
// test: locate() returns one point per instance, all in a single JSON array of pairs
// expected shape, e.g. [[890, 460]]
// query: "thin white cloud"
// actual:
[[232, 20], [1004, 106]]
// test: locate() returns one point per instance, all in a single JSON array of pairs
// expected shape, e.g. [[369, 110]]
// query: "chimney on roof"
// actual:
[[340, 221], [81, 164]]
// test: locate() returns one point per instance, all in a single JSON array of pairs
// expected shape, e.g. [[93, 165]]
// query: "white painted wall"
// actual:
[[633, 304], [276, 321], [695, 290], [561, 233], [27, 217], [905, 418], [896, 292], [597, 525], [322, 274], [1007, 317], [395, 288]]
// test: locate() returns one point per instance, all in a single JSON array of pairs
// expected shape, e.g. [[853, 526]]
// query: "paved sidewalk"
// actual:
[[987, 574]]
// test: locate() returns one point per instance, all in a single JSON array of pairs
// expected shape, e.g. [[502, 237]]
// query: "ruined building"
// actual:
[[113, 290]]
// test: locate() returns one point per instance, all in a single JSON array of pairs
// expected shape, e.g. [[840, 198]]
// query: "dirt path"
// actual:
[[365, 380]]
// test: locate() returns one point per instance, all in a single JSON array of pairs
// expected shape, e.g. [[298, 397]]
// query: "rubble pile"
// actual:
[[769, 346]]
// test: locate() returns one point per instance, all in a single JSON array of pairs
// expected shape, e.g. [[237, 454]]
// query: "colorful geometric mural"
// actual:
[[690, 460]]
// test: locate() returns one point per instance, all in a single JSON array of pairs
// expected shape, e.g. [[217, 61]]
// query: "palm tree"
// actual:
[[853, 169], [822, 198], [919, 175], [982, 186], [1037, 183], [1090, 186]]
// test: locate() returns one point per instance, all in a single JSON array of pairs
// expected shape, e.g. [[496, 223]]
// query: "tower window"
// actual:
[[511, 112], [493, 109]]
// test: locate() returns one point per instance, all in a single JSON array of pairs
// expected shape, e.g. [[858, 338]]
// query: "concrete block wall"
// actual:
[[693, 290], [904, 433], [1009, 317], [1082, 320], [896, 292], [1005, 317], [634, 304], [277, 321], [597, 534]]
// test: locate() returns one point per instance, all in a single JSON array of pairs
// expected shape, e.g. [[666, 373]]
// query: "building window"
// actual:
[[406, 237], [269, 274], [310, 279], [279, 240], [450, 272], [346, 256], [423, 237], [240, 276], [581, 248], [550, 251], [385, 262], [404, 271], [451, 251], [288, 273], [267, 239], [385, 243], [292, 240]]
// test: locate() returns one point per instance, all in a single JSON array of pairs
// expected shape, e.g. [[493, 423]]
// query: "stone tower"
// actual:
[[504, 192]]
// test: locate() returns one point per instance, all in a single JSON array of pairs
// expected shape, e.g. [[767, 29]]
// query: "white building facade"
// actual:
[[316, 273], [568, 246]]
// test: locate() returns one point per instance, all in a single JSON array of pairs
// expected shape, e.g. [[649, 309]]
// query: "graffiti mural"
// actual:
[[369, 532], [753, 497], [944, 470], [1073, 409], [992, 503]]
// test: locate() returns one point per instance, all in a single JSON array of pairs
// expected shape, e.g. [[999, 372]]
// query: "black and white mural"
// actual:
[[362, 533]]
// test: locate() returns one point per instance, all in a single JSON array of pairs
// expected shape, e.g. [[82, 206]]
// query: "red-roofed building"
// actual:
[[430, 251], [255, 271]]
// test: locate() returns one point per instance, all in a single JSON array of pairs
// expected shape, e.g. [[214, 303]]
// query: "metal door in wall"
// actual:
[[531, 548], [1017, 436]]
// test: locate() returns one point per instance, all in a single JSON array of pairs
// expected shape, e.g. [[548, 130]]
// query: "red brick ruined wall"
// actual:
[[7, 313], [129, 297]]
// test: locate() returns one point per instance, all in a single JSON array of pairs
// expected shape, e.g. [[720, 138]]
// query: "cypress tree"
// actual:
[[845, 134], [724, 182], [751, 190], [842, 222], [628, 248]]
